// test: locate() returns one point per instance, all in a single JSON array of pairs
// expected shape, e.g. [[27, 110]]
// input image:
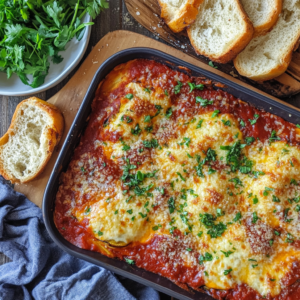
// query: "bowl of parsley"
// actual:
[[41, 42]]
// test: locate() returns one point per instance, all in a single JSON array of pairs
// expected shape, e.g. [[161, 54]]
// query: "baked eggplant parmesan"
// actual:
[[184, 180]]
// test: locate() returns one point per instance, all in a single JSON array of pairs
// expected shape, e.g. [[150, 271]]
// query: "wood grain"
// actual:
[[147, 13], [69, 98]]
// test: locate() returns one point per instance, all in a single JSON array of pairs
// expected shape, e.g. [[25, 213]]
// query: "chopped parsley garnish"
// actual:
[[252, 122], [166, 93], [142, 215], [297, 208], [242, 123], [87, 210], [215, 113], [267, 190], [293, 181], [254, 266], [132, 219], [156, 227], [136, 130], [200, 234], [189, 249], [205, 273], [214, 230], [199, 124], [153, 143], [186, 142], [206, 257], [249, 140], [226, 272], [116, 212], [255, 200], [130, 211], [254, 217], [257, 173], [147, 90], [171, 204], [178, 87], [180, 175], [275, 199], [234, 159], [203, 102], [189, 155], [82, 169], [149, 128], [274, 137], [251, 259], [127, 119], [286, 213], [211, 171], [125, 146], [147, 119], [129, 261], [211, 64], [289, 238], [129, 96], [237, 182], [271, 242], [220, 213], [169, 112], [195, 86], [226, 123], [237, 217], [100, 233], [172, 229], [277, 232], [227, 253]]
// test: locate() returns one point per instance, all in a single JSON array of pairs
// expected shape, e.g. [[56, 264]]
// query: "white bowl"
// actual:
[[57, 72]]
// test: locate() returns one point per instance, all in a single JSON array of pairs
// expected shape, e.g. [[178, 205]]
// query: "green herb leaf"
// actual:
[[177, 88]]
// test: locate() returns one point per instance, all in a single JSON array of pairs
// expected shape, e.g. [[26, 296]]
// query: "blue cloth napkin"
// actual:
[[40, 270]]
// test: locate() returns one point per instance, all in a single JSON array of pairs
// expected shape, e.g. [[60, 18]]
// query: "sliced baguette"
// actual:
[[178, 14], [27, 146], [263, 14], [222, 29], [268, 56]]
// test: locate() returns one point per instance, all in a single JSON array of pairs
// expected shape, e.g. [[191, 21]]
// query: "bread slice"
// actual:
[[268, 56], [27, 146], [263, 14], [178, 14], [222, 29]]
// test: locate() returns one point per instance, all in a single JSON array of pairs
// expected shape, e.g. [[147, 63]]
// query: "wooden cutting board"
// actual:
[[69, 98], [147, 13]]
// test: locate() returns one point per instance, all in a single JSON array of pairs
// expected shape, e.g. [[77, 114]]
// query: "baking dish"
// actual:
[[79, 124]]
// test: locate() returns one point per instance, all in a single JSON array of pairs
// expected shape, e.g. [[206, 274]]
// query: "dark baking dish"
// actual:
[[120, 267]]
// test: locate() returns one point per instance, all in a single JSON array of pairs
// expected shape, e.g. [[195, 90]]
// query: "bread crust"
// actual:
[[275, 72], [236, 48], [268, 26], [53, 134], [186, 16]]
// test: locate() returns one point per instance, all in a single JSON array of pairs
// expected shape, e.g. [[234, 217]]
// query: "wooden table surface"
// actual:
[[114, 18]]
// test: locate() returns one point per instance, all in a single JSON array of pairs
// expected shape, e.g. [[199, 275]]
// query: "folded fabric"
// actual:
[[40, 270]]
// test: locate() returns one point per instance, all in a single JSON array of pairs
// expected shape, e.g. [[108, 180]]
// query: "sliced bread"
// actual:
[[268, 56], [263, 14], [27, 146], [178, 14], [221, 30]]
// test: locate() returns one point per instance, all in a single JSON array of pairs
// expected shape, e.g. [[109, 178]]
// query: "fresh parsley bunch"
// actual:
[[33, 32]]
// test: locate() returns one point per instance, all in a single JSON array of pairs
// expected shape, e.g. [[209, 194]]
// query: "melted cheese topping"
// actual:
[[254, 215]]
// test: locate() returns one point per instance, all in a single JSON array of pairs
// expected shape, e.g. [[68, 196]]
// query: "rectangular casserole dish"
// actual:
[[158, 282]]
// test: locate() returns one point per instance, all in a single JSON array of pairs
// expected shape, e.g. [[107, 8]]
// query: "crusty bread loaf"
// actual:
[[221, 30], [27, 146], [263, 14], [268, 56], [178, 14]]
